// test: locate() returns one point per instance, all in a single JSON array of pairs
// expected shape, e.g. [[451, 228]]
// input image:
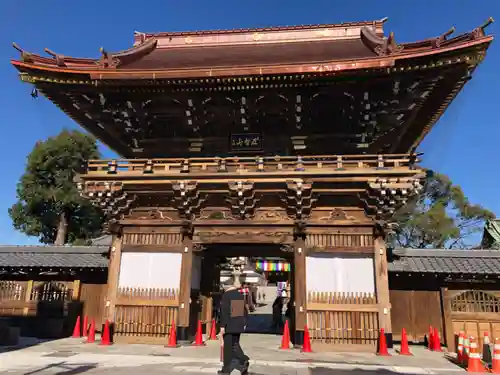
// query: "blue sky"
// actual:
[[463, 145]]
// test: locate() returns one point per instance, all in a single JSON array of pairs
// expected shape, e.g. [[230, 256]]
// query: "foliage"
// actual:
[[49, 205], [440, 217]]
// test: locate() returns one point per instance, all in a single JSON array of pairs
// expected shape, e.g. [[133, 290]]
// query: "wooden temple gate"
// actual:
[[167, 243], [235, 151]]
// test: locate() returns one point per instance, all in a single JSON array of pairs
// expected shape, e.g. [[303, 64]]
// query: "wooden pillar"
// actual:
[[77, 286], [27, 296], [299, 287], [113, 274], [207, 281], [448, 333], [185, 289], [382, 286]]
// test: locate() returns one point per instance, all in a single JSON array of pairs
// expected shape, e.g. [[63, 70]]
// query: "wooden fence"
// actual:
[[26, 298], [40, 309], [145, 313], [415, 311], [473, 312], [342, 318]]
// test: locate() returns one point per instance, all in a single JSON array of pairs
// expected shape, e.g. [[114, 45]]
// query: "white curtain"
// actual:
[[345, 273], [150, 270]]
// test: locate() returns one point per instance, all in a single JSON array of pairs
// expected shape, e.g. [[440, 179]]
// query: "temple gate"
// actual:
[[302, 137]]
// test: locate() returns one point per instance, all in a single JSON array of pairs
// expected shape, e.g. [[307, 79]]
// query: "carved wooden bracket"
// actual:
[[187, 199], [384, 196], [299, 199], [242, 199], [109, 196]]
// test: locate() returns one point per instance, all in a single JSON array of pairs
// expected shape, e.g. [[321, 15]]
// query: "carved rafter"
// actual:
[[187, 199], [242, 199], [384, 196], [299, 199], [109, 196]]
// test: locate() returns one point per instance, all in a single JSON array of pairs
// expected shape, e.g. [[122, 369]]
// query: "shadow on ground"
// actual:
[[63, 368]]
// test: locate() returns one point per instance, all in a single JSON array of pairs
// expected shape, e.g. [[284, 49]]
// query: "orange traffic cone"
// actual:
[[430, 340], [76, 330], [495, 363], [198, 339], [306, 348], [382, 344], [106, 337], [91, 336], [213, 331], [460, 348], [172, 337], [474, 364], [405, 349], [285, 339], [85, 327], [486, 349], [437, 342]]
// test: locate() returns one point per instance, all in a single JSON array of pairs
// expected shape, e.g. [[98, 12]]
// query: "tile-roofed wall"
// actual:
[[485, 262], [53, 256]]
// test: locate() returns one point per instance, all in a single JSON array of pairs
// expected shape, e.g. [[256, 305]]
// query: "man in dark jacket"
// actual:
[[232, 325]]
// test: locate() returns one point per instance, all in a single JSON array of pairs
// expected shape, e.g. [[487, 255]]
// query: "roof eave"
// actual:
[[98, 73]]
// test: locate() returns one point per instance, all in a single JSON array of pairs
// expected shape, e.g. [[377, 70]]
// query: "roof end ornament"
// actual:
[[479, 32], [436, 43], [25, 56], [382, 46], [59, 58], [107, 60]]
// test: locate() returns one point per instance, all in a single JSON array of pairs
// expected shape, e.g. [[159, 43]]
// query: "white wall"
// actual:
[[150, 270], [347, 273]]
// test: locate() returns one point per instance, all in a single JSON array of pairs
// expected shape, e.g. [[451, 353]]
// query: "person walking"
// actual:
[[232, 325]]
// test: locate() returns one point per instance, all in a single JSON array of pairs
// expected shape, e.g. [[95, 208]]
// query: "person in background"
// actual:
[[277, 313], [232, 324]]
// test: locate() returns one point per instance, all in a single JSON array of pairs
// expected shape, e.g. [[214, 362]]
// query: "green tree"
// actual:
[[440, 217], [49, 205]]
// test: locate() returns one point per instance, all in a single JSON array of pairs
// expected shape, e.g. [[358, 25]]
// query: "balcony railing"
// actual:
[[251, 164]]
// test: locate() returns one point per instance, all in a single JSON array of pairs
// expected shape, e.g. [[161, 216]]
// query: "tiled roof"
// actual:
[[486, 262], [105, 240], [54, 256]]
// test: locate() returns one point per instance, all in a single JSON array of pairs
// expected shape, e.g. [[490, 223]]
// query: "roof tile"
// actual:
[[446, 261]]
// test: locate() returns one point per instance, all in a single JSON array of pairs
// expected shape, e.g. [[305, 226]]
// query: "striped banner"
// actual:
[[273, 266]]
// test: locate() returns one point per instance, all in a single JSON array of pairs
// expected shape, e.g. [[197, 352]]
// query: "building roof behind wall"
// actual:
[[484, 262], [53, 257], [491, 234]]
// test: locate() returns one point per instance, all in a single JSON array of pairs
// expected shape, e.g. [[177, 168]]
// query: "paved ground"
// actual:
[[71, 356]]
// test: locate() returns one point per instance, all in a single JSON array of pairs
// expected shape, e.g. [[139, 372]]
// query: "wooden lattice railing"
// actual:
[[22, 298], [278, 164], [342, 318], [475, 301], [40, 291], [145, 312]]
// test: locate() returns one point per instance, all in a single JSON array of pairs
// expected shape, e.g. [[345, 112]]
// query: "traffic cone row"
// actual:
[[89, 331]]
